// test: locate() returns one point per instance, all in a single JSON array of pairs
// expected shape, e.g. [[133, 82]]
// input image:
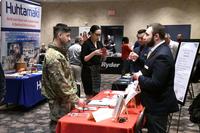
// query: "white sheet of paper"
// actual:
[[131, 91], [104, 102], [102, 114], [183, 68], [118, 92]]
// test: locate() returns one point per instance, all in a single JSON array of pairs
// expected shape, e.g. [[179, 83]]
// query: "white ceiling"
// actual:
[[57, 1]]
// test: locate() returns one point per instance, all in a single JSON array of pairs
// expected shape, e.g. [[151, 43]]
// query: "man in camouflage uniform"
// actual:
[[58, 85]]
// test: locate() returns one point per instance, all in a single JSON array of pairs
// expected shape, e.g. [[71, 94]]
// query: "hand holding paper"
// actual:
[[137, 75], [132, 91]]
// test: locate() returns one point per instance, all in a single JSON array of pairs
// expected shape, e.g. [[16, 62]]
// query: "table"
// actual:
[[112, 65], [121, 84], [25, 91], [80, 124]]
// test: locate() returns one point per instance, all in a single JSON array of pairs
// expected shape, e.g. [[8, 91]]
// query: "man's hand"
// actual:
[[81, 102], [137, 75], [133, 56]]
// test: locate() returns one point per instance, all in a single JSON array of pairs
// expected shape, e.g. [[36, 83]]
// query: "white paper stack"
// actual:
[[131, 91], [104, 102]]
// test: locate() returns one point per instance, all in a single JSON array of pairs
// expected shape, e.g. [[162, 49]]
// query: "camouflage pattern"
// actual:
[[58, 84]]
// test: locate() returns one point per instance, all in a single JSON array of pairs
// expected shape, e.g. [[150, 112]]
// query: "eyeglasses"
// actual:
[[97, 34]]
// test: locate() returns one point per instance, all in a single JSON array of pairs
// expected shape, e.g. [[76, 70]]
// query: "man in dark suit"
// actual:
[[139, 54], [156, 81]]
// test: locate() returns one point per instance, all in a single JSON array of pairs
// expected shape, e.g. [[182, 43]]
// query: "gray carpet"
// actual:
[[16, 119]]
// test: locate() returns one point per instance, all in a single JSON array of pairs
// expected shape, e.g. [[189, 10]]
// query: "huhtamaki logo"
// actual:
[[16, 9]]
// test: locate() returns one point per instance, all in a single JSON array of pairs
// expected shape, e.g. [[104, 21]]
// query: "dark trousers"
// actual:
[[87, 80], [156, 124], [52, 126]]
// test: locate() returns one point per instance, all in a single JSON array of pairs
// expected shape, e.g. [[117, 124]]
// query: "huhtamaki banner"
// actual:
[[21, 24]]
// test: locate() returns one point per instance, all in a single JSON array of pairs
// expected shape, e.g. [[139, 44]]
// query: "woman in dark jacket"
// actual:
[[92, 53]]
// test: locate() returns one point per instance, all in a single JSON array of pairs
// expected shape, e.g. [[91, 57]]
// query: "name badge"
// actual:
[[146, 67]]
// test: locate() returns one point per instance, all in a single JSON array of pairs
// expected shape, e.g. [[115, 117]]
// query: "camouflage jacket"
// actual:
[[57, 80]]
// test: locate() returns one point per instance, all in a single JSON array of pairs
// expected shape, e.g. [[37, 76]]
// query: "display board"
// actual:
[[21, 25], [185, 59]]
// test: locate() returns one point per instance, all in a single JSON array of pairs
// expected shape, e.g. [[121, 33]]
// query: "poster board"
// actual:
[[21, 25], [185, 59]]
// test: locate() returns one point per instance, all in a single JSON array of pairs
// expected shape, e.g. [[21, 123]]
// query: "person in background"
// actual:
[[109, 44], [156, 81], [179, 38], [42, 53], [140, 34], [172, 44], [75, 61], [85, 36], [92, 53], [2, 84], [139, 54], [126, 50], [58, 84]]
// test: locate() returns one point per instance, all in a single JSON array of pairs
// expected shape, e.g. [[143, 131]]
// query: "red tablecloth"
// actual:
[[79, 123]]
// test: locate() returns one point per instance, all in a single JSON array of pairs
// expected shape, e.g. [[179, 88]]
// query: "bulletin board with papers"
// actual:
[[186, 56]]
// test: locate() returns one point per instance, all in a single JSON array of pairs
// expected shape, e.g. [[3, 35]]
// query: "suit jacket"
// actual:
[[157, 81], [139, 63]]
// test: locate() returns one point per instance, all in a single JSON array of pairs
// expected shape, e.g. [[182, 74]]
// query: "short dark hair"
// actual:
[[125, 40], [60, 28], [94, 28], [78, 39], [141, 31], [158, 28]]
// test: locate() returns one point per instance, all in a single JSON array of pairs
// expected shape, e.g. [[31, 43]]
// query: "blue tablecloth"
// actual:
[[24, 91]]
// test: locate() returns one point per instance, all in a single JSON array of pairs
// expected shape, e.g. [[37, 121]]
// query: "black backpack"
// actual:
[[194, 110]]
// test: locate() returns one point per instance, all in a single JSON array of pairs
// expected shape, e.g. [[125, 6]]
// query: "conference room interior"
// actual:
[[117, 18]]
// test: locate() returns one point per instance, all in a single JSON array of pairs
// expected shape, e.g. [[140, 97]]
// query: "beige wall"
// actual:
[[133, 15]]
